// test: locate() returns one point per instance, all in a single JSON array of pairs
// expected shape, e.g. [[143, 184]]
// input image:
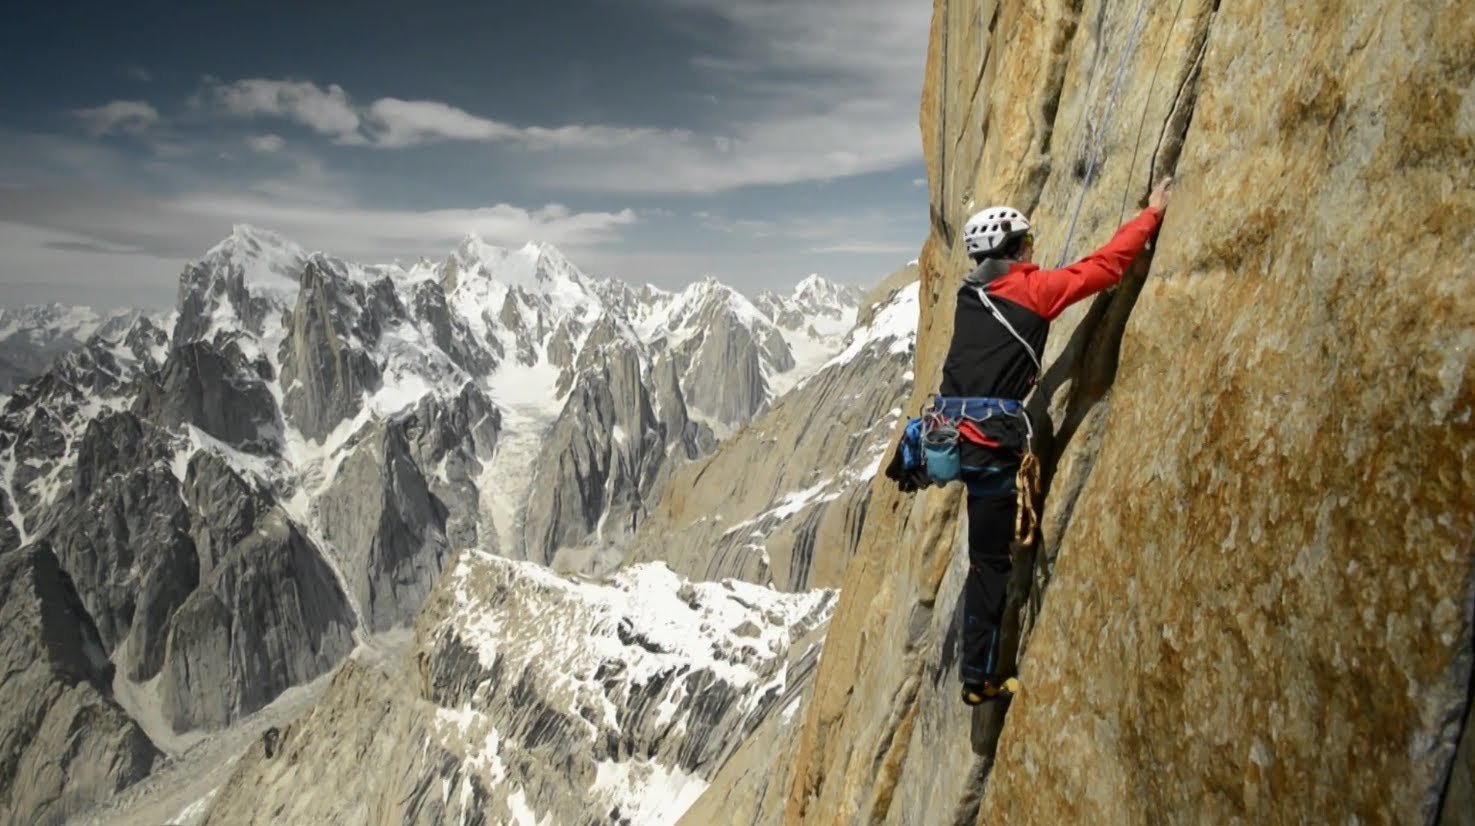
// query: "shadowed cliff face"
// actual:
[[1251, 599]]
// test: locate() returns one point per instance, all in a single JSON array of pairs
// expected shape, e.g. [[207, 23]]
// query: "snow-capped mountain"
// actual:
[[34, 336], [815, 302], [722, 347], [495, 718], [228, 508], [814, 318], [781, 501], [528, 698], [42, 424]]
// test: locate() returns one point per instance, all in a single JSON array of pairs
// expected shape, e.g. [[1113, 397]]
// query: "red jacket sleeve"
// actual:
[[1049, 292]]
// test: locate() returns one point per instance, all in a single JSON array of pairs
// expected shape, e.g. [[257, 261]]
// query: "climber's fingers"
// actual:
[[1161, 194]]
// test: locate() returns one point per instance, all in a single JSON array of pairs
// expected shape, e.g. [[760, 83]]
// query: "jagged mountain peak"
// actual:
[[52, 319], [348, 428], [814, 294], [250, 241], [818, 291], [33, 336], [533, 266], [265, 264], [49, 308], [703, 298], [56, 319]]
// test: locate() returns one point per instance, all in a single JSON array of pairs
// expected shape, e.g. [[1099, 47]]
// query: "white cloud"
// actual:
[[410, 122], [185, 226], [813, 91], [128, 251], [868, 248], [392, 123], [596, 137], [42, 265], [383, 234], [816, 91], [395, 123], [265, 143], [130, 117], [324, 110], [739, 226], [845, 229]]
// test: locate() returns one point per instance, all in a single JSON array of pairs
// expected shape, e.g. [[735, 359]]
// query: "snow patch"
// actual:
[[787, 715], [7, 478], [791, 504], [471, 733], [194, 813], [517, 802], [257, 469], [647, 792], [893, 326], [677, 623]]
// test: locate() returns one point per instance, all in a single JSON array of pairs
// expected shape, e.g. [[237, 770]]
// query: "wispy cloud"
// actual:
[[392, 123], [120, 116], [138, 73], [812, 91], [867, 248], [266, 143], [183, 226], [846, 229], [42, 265], [815, 91], [752, 227], [400, 123], [851, 138]]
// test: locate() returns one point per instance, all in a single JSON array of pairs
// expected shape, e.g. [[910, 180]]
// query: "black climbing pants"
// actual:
[[990, 532]]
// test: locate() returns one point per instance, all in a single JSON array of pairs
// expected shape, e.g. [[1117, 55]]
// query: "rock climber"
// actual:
[[1004, 311]]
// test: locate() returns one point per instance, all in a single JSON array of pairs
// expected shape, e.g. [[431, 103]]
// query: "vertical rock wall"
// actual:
[[1252, 597]]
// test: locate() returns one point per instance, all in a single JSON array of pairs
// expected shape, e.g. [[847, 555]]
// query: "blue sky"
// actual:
[[652, 140]]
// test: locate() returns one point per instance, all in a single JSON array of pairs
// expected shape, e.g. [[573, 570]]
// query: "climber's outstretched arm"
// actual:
[[1049, 292]]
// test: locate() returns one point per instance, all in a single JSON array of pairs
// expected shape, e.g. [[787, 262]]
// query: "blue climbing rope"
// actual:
[[1100, 133], [1151, 91]]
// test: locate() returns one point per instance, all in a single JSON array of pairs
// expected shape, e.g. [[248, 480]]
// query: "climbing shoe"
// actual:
[[975, 694]]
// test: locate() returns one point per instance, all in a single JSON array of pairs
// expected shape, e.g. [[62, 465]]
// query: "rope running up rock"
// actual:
[[1100, 132]]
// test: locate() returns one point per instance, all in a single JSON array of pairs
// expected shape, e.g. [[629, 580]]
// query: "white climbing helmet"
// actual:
[[986, 231]]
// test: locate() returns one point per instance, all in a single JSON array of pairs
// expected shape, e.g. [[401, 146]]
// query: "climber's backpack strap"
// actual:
[[999, 316], [988, 271]]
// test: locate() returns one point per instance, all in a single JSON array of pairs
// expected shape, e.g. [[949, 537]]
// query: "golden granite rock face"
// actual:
[[1261, 611], [1254, 587]]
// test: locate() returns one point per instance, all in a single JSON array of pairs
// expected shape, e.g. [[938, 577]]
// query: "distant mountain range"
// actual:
[[206, 508]]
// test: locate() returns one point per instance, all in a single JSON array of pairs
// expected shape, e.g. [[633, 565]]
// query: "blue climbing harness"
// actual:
[[972, 438]]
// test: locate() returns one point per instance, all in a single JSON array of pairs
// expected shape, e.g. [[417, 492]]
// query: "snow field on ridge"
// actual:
[[647, 622]]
